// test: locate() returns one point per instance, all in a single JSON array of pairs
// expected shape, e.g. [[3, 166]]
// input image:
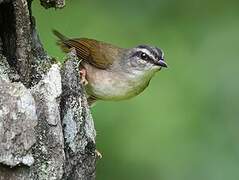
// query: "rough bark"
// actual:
[[53, 3], [46, 128]]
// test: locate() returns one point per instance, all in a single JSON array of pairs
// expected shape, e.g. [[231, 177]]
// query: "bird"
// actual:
[[112, 73]]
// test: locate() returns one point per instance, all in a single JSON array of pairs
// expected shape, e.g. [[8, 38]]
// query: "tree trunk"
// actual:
[[46, 128]]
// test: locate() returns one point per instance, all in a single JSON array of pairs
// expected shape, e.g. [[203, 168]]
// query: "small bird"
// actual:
[[110, 72]]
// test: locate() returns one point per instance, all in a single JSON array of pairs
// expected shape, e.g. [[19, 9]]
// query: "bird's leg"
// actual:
[[83, 76]]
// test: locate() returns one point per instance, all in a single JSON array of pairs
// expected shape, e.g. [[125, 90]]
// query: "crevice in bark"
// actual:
[[8, 33], [16, 37], [14, 173]]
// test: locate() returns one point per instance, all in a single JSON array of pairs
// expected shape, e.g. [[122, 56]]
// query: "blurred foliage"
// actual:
[[184, 126]]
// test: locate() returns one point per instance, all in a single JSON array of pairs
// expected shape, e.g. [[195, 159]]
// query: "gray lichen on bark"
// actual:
[[46, 128], [49, 148], [18, 120]]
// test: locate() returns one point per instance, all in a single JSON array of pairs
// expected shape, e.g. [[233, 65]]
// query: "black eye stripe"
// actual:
[[144, 56], [151, 54]]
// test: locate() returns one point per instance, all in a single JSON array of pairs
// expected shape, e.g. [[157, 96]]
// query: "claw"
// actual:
[[83, 77], [98, 154]]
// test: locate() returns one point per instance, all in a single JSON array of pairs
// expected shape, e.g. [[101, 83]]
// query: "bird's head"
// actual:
[[144, 58]]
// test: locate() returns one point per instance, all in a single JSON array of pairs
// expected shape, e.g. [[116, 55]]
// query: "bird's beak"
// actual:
[[162, 63]]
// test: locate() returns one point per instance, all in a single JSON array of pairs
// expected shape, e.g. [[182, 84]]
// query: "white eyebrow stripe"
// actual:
[[146, 51]]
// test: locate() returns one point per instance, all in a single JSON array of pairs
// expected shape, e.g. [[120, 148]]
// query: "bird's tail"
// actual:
[[59, 35], [62, 41]]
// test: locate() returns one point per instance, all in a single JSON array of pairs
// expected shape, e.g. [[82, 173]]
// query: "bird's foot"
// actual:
[[83, 77], [98, 154]]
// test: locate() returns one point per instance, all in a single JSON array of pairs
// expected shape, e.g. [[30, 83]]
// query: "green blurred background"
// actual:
[[184, 126]]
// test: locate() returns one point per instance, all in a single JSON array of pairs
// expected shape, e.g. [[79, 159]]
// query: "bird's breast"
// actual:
[[111, 85]]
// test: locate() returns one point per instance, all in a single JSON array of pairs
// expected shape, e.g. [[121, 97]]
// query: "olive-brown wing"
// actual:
[[91, 51]]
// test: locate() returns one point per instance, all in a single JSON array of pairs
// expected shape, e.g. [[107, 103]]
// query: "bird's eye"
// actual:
[[143, 56]]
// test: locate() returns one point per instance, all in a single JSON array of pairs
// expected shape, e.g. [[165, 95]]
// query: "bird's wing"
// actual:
[[96, 53]]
